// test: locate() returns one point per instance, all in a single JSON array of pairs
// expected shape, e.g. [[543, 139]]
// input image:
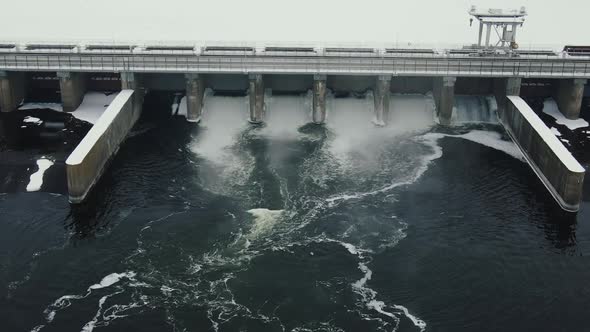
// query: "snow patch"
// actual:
[[555, 131], [93, 106], [550, 108], [90, 110], [36, 180], [32, 119], [35, 106]]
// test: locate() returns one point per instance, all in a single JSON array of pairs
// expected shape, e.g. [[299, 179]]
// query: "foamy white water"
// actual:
[[490, 139], [285, 115], [474, 109], [223, 119]]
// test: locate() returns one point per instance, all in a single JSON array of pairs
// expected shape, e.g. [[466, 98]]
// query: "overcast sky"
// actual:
[[387, 21]]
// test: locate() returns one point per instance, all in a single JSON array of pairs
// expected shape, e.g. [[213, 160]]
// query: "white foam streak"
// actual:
[[369, 295], [36, 179], [417, 321], [423, 167], [66, 300], [490, 139]]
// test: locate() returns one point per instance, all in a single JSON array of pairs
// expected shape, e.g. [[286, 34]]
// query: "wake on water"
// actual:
[[350, 161]]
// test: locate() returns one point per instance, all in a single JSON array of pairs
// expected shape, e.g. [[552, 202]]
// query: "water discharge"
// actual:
[[297, 192]]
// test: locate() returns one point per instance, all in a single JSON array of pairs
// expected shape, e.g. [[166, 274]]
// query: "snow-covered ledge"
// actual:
[[88, 161], [555, 166]]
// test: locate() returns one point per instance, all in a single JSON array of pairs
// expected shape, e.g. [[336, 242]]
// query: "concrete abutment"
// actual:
[[443, 91], [569, 95], [319, 99], [195, 90], [72, 88], [12, 90], [256, 98]]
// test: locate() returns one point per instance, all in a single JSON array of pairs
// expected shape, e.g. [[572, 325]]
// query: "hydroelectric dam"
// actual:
[[504, 73]]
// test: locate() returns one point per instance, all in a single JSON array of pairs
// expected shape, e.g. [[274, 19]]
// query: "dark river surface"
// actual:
[[290, 227]]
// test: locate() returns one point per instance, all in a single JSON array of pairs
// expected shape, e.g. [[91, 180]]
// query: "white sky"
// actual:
[[383, 21]]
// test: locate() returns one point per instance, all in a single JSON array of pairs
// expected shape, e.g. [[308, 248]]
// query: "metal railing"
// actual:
[[409, 64]]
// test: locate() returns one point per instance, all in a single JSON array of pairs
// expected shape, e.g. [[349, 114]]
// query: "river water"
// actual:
[[292, 227]]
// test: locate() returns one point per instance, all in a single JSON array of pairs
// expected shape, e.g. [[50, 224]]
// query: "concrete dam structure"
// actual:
[[259, 70]]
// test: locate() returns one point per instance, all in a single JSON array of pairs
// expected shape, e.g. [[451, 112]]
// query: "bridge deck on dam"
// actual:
[[294, 61]]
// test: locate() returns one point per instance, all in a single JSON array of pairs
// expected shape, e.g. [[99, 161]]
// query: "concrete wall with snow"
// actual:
[[559, 171], [88, 161]]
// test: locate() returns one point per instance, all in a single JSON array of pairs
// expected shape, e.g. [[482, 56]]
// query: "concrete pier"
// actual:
[[12, 90], [134, 81], [444, 98], [559, 171], [195, 90], [504, 87], [319, 99], [256, 94], [381, 99], [569, 97], [72, 87]]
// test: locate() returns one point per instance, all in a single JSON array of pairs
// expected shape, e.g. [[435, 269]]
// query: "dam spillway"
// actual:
[[265, 71]]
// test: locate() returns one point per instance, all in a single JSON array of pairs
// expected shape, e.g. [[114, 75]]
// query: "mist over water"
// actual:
[[290, 226]]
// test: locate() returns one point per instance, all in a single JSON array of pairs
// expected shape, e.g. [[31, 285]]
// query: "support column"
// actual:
[[444, 98], [132, 81], [381, 99], [505, 87], [319, 99], [72, 87], [195, 89], [256, 93], [12, 90], [569, 97]]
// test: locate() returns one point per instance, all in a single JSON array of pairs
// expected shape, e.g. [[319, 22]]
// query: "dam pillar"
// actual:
[[256, 94], [132, 81], [72, 88], [444, 98], [569, 97], [381, 99], [504, 87], [195, 90], [12, 90], [319, 99]]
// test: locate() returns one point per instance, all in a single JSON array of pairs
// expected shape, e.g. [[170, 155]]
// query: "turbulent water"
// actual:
[[290, 226]]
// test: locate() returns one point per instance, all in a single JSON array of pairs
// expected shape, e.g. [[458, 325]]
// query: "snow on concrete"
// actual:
[[99, 128], [93, 105], [91, 108], [35, 106], [555, 131], [551, 140], [32, 119], [36, 180], [550, 108], [182, 108]]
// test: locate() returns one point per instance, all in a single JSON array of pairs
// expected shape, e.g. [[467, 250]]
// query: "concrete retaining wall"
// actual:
[[88, 161], [559, 171]]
